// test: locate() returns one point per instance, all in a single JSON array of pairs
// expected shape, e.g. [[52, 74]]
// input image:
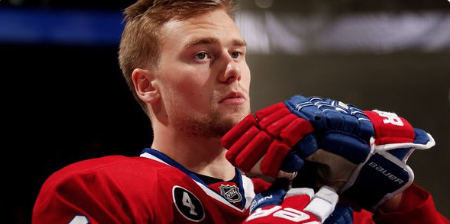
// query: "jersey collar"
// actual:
[[165, 159]]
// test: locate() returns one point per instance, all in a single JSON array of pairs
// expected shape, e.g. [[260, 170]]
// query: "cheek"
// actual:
[[191, 86], [246, 78], [188, 90]]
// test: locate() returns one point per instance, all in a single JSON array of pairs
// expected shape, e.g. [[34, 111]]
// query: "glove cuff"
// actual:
[[323, 203], [377, 180]]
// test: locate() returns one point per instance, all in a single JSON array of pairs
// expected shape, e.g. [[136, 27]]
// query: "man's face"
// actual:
[[204, 77]]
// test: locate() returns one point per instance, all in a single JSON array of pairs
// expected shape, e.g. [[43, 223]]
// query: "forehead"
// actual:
[[216, 25]]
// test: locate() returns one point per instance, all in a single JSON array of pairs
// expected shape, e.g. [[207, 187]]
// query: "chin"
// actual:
[[234, 118], [221, 121]]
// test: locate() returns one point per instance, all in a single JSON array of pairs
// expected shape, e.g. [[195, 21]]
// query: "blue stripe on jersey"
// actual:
[[173, 163]]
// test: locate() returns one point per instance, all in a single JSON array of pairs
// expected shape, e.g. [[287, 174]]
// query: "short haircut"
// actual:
[[140, 43]]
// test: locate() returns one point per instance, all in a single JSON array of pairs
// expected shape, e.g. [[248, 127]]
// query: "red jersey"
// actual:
[[151, 188]]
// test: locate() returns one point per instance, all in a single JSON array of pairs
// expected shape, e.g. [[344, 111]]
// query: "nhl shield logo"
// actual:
[[231, 193]]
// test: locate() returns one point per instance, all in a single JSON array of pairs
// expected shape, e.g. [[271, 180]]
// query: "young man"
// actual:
[[185, 63]]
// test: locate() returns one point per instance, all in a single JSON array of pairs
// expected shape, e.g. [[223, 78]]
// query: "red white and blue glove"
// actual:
[[364, 152], [298, 205]]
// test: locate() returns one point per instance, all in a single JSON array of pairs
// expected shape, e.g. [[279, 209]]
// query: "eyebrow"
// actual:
[[211, 40]]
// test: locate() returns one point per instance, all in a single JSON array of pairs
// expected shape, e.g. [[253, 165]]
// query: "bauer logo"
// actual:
[[386, 173]]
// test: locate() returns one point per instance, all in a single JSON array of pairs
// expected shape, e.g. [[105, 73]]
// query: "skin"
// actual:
[[198, 92]]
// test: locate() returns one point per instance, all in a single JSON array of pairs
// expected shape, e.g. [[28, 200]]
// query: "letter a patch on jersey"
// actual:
[[188, 204]]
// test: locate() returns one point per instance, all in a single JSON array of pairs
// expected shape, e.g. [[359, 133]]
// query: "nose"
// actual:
[[230, 71]]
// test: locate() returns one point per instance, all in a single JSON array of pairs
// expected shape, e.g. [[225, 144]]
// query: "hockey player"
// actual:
[[185, 64]]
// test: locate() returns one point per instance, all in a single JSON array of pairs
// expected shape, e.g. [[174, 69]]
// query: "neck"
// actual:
[[204, 156]]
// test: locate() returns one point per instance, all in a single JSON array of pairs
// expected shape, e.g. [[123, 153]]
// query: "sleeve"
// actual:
[[82, 198], [417, 206]]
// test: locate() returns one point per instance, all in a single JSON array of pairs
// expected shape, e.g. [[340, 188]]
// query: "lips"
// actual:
[[233, 98]]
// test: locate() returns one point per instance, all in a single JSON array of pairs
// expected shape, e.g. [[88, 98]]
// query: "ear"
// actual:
[[144, 85]]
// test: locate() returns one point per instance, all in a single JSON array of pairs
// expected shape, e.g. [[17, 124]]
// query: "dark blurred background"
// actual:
[[65, 99]]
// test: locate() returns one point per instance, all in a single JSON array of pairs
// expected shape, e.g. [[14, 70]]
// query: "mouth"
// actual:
[[233, 98]]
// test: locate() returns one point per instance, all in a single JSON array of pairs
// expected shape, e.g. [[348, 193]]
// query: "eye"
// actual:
[[236, 54], [202, 56]]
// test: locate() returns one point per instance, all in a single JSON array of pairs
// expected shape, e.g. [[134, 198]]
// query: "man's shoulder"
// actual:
[[111, 163], [112, 168], [110, 182]]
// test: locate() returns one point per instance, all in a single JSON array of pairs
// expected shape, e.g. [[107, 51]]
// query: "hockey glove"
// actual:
[[261, 145], [364, 152], [298, 205]]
